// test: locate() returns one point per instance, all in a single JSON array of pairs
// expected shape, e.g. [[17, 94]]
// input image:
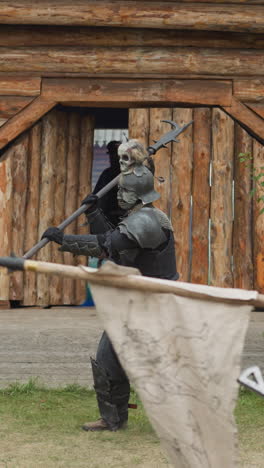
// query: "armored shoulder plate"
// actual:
[[145, 226]]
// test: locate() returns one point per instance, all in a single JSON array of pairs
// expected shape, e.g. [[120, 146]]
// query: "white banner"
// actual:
[[182, 355]]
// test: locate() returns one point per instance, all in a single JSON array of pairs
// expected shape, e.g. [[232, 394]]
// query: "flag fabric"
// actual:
[[182, 355]]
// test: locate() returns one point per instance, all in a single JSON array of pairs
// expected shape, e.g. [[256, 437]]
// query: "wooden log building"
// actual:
[[62, 65]]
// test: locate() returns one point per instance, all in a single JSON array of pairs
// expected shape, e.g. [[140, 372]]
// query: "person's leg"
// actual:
[[112, 389]]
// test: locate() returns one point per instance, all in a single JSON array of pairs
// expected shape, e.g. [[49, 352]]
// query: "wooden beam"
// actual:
[[242, 227], [136, 92], [19, 197], [133, 61], [258, 220], [202, 130], [32, 209], [257, 107], [249, 2], [248, 119], [19, 86], [155, 14], [221, 200], [249, 90], [6, 202], [180, 171], [70, 36], [24, 119], [10, 105]]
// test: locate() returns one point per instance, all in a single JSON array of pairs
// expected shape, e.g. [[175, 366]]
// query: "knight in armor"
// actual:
[[142, 239]]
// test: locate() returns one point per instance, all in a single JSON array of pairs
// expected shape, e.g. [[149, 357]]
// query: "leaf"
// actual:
[[261, 211]]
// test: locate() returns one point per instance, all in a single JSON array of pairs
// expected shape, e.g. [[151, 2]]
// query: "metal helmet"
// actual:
[[142, 185]]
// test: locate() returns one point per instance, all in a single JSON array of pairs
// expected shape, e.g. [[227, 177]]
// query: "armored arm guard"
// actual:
[[87, 245], [98, 222]]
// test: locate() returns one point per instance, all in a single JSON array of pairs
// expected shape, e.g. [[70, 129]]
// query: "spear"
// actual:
[[167, 138]]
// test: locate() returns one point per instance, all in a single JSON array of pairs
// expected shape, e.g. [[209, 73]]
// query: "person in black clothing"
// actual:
[[142, 239], [108, 203]]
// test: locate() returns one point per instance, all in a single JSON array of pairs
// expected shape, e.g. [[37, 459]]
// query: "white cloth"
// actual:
[[182, 355]]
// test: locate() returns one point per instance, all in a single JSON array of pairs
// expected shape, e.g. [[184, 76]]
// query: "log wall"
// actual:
[[44, 175], [217, 224]]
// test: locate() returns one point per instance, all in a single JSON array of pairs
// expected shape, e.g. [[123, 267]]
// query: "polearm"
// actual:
[[71, 218], [167, 138]]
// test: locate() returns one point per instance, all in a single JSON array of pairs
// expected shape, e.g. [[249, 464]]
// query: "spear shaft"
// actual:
[[167, 138], [71, 218]]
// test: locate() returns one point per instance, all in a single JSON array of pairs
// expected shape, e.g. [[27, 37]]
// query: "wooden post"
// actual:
[[47, 195], [242, 234], [221, 199], [19, 175], [71, 196], [139, 125], [5, 221], [32, 209], [181, 183], [258, 222], [162, 158], [84, 188], [201, 194], [60, 175]]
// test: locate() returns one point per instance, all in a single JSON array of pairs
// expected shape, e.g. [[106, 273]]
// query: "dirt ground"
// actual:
[[56, 344]]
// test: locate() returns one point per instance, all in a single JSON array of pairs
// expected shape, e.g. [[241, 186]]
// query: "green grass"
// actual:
[[61, 409], [42, 427]]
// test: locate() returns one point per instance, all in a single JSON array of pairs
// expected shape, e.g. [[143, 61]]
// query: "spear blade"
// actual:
[[168, 137]]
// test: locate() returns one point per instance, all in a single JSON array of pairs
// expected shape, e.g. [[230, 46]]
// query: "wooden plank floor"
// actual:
[[56, 344]]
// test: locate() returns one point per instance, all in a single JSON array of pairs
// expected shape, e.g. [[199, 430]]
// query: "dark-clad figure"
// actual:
[[142, 239], [108, 203]]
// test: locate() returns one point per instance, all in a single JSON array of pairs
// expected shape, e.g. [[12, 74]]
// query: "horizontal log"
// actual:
[[24, 119], [133, 61], [10, 105], [155, 14], [248, 2], [19, 86], [135, 92], [33, 36], [249, 120], [249, 90]]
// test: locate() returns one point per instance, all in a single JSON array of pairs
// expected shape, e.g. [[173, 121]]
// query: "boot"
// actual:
[[112, 401], [100, 425]]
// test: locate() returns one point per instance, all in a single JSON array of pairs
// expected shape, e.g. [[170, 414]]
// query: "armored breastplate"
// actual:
[[158, 263]]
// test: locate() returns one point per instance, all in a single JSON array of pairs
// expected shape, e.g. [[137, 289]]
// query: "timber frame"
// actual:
[[231, 95]]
